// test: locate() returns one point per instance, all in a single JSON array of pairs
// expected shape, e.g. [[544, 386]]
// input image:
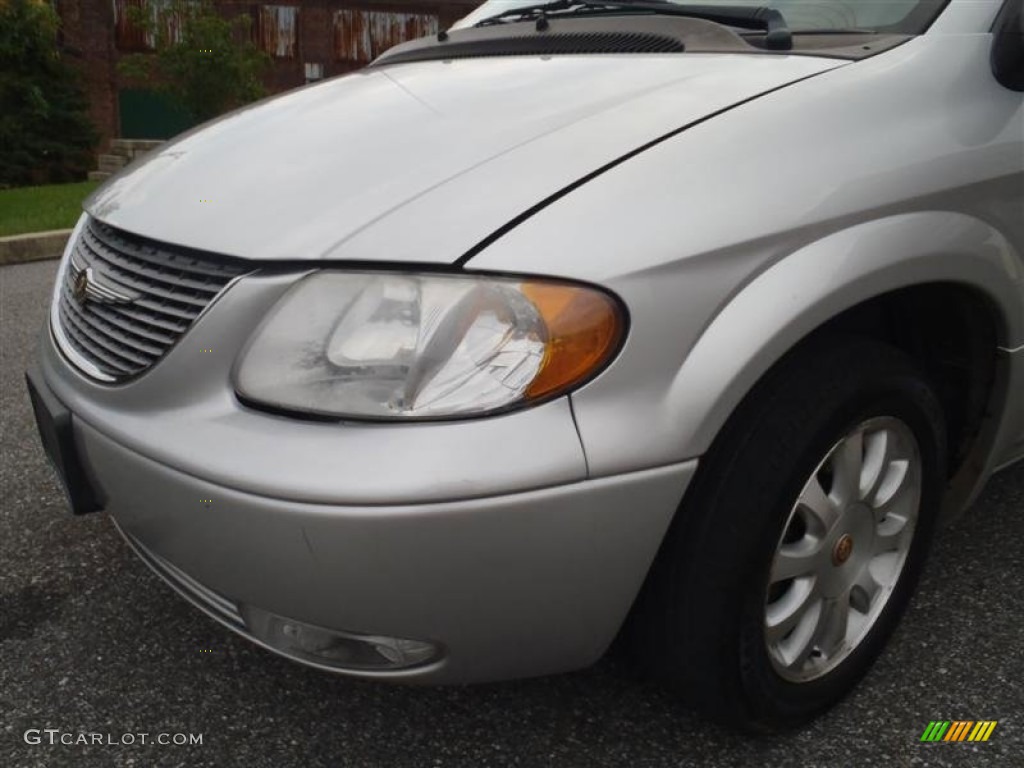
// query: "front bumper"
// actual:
[[483, 538], [507, 586]]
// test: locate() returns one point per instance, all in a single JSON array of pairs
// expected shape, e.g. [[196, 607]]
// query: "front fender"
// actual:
[[707, 329], [800, 293], [736, 238]]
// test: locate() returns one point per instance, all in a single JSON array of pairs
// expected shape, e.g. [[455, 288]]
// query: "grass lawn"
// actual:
[[37, 209]]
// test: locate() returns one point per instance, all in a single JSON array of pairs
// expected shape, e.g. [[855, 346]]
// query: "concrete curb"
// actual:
[[35, 246]]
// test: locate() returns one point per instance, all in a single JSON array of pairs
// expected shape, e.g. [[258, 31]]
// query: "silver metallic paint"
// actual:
[[434, 148], [727, 242], [183, 413], [511, 585], [902, 168]]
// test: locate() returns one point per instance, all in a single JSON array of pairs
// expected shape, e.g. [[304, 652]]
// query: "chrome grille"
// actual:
[[125, 300]]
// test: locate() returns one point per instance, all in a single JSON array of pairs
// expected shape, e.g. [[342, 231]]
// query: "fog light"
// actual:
[[335, 648]]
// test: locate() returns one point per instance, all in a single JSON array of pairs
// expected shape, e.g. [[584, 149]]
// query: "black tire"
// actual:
[[698, 624]]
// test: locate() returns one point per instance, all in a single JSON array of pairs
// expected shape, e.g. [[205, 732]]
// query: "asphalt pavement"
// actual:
[[91, 642]]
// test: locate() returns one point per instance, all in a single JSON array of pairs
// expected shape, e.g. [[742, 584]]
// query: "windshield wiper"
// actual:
[[777, 35]]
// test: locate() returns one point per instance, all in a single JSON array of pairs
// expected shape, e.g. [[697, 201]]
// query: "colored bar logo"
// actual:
[[959, 730]]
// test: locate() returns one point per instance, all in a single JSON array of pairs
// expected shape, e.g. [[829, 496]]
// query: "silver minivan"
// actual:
[[677, 325]]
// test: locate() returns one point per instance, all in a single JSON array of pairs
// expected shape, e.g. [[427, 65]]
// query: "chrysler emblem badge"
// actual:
[[87, 285], [80, 287]]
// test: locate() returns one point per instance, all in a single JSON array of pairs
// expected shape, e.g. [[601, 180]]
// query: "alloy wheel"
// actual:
[[842, 549]]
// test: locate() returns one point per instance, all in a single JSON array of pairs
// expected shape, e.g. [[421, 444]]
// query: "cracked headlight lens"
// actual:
[[398, 346]]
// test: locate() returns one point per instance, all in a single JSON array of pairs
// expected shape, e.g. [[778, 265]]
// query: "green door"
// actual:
[[147, 114]]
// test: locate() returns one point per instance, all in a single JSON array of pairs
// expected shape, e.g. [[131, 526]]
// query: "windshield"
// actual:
[[901, 16]]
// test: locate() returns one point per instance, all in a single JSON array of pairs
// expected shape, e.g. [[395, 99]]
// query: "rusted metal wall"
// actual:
[[97, 45], [130, 36], [127, 35], [361, 36], [278, 30]]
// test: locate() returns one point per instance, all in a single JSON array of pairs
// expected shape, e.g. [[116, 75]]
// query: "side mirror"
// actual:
[[1007, 58]]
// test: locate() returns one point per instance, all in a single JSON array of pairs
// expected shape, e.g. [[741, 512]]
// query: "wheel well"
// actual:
[[953, 332]]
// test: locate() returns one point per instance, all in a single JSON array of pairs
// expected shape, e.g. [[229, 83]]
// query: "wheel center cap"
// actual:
[[842, 550]]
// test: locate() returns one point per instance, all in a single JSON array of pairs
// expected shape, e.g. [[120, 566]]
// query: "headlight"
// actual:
[[397, 346]]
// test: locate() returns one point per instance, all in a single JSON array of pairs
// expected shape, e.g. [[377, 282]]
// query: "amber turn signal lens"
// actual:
[[584, 327]]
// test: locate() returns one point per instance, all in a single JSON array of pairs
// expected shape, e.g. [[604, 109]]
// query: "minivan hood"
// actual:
[[420, 162]]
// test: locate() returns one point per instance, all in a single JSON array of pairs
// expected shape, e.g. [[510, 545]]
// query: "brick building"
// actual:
[[308, 40]]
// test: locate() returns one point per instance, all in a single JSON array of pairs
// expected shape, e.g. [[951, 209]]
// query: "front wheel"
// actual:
[[797, 548]]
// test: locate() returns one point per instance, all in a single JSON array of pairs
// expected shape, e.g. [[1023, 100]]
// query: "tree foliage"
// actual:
[[45, 132], [206, 63]]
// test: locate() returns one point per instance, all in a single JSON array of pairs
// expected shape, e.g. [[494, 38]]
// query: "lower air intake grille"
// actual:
[[125, 300]]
